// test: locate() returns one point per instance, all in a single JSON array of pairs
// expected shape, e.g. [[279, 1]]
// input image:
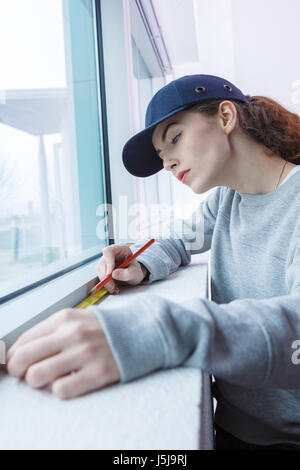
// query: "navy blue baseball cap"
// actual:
[[139, 155]]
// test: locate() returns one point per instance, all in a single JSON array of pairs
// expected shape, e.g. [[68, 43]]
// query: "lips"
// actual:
[[181, 175]]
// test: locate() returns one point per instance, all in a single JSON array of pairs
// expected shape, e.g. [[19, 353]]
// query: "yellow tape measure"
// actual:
[[93, 298]]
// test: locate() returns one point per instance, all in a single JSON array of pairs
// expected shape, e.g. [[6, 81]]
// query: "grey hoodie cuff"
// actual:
[[134, 337]]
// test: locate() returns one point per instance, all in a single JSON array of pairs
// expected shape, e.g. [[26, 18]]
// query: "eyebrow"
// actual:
[[165, 133]]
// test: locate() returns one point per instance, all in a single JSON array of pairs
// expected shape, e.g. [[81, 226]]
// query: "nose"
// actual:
[[170, 164]]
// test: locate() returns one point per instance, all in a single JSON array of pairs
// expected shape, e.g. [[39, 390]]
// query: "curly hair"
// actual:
[[266, 121]]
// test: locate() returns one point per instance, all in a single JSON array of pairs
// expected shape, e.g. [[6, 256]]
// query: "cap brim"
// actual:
[[139, 155]]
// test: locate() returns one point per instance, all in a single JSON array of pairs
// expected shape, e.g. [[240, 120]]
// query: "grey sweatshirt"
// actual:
[[246, 335]]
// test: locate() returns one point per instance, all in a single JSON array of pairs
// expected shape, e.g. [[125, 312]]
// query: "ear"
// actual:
[[228, 117]]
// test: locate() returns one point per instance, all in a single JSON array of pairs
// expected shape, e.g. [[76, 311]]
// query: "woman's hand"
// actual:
[[114, 255], [69, 350]]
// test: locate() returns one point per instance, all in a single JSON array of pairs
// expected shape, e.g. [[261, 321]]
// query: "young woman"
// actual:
[[205, 131]]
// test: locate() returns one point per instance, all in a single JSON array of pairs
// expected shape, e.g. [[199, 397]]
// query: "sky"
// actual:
[[32, 51], [32, 56]]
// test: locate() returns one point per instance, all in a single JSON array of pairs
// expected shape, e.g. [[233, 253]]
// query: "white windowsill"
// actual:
[[27, 309], [68, 290], [167, 409]]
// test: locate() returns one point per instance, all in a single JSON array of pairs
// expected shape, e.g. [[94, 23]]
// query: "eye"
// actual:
[[174, 141]]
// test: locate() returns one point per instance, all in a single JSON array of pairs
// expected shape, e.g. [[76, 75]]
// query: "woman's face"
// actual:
[[197, 143]]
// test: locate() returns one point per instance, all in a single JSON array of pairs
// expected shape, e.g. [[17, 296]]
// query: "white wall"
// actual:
[[267, 48], [253, 43]]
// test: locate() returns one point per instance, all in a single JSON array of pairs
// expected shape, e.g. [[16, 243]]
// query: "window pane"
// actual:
[[147, 78], [51, 172]]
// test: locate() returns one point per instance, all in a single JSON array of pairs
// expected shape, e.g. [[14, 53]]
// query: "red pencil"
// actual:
[[122, 265]]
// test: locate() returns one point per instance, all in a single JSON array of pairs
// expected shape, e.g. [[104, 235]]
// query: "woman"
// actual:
[[208, 134]]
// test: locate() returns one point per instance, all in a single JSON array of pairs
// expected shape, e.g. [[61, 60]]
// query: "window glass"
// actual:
[[51, 170], [147, 78]]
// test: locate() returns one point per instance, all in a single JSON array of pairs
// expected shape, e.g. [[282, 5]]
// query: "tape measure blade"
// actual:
[[93, 298]]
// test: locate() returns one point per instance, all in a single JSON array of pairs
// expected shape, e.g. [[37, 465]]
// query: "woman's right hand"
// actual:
[[114, 255]]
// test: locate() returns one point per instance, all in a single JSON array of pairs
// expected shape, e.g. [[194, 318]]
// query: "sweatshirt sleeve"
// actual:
[[185, 237], [247, 342]]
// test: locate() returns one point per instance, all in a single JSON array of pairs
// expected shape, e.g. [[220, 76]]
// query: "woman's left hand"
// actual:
[[69, 349]]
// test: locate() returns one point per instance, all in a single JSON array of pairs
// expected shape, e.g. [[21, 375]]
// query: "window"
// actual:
[[149, 65], [133, 73], [51, 168]]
